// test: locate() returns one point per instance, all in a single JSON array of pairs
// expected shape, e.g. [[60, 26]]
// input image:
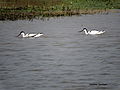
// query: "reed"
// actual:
[[27, 9]]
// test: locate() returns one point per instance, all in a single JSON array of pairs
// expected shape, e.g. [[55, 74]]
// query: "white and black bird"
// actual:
[[28, 35], [92, 32]]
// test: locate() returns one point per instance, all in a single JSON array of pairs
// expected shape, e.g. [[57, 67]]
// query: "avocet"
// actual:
[[92, 32], [27, 35]]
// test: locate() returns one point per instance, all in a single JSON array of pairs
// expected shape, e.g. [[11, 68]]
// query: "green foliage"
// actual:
[[86, 4], [13, 9], [59, 4]]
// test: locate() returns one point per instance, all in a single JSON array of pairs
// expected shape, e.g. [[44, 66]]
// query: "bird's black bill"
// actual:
[[18, 35], [80, 31]]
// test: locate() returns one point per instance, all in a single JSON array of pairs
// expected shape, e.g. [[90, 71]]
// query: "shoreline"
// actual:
[[31, 15], [29, 9]]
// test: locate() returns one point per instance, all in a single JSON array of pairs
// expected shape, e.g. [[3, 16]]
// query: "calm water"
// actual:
[[64, 59]]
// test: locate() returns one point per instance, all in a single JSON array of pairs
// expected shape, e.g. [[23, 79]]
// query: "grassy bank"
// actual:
[[28, 9]]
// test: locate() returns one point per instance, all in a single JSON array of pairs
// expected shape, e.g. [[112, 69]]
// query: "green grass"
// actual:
[[53, 7], [93, 4], [59, 4]]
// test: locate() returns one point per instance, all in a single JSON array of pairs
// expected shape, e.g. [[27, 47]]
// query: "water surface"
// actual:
[[64, 59]]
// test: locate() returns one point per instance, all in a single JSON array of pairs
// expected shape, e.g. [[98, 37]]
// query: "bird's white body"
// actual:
[[27, 35], [93, 32]]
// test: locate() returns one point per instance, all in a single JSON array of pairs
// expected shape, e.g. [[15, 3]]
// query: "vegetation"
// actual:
[[27, 9]]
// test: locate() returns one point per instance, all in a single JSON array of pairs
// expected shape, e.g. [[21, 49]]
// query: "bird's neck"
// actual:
[[85, 30], [23, 34]]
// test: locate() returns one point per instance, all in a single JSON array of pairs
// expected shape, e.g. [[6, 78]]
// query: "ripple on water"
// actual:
[[64, 59]]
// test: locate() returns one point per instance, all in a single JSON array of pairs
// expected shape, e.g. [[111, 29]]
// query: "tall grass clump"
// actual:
[[31, 8]]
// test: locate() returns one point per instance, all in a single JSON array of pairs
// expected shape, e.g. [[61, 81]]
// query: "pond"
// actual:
[[64, 59]]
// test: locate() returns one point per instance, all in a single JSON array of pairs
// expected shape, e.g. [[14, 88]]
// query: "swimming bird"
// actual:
[[28, 35], [92, 32]]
